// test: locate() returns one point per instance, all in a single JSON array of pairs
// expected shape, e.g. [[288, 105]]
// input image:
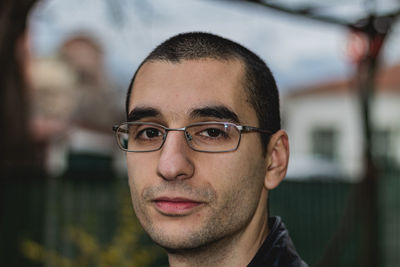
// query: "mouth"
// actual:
[[176, 206]]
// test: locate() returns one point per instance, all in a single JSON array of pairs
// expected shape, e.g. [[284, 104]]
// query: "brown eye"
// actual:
[[212, 132], [149, 133]]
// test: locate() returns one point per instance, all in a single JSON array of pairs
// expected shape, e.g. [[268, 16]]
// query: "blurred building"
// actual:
[[325, 127], [75, 106]]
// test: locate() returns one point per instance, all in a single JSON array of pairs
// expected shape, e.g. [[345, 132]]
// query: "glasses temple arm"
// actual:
[[248, 129], [116, 127]]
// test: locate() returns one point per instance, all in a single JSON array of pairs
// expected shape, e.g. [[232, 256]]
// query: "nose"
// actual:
[[174, 162]]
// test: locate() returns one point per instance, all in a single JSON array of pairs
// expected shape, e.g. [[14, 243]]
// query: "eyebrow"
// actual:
[[219, 112], [142, 112]]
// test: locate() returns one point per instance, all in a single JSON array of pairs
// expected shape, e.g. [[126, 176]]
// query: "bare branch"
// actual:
[[309, 12]]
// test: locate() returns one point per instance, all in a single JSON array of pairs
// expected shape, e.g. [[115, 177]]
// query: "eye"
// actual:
[[149, 133], [213, 133]]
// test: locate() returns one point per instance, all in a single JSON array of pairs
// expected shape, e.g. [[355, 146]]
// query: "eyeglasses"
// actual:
[[202, 136]]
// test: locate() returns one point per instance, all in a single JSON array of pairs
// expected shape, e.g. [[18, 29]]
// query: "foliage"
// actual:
[[125, 249]]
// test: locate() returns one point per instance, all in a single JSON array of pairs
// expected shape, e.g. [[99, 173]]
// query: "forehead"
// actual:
[[176, 88]]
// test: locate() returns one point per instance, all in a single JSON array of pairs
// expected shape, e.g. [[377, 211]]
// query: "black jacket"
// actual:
[[278, 249]]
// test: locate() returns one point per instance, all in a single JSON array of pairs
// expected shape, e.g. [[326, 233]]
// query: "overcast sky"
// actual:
[[299, 51]]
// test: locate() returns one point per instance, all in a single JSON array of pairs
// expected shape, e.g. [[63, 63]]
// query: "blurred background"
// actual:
[[66, 65]]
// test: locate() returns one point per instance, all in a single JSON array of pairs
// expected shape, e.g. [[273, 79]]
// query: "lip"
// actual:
[[176, 206]]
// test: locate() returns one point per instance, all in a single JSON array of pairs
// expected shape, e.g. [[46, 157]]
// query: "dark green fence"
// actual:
[[311, 211]]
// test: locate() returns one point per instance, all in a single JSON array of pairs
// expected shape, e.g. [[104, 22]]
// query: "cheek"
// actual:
[[234, 172], [245, 161], [238, 184], [140, 168], [140, 175]]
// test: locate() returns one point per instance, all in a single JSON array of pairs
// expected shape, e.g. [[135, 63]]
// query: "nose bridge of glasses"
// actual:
[[187, 135]]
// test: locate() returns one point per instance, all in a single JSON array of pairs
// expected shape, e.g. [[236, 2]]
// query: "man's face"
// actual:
[[186, 199]]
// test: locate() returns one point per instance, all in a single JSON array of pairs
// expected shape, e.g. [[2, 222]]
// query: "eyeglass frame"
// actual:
[[240, 128]]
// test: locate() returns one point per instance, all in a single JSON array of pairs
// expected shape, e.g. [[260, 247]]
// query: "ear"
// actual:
[[277, 159]]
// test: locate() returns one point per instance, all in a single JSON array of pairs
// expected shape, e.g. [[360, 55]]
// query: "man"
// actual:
[[204, 148]]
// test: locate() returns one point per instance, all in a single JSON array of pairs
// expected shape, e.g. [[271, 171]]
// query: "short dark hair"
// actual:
[[259, 81]]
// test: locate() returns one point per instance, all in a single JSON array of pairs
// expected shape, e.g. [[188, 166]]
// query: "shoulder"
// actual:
[[278, 249]]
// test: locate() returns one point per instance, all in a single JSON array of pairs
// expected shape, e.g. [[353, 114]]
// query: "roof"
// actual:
[[388, 80]]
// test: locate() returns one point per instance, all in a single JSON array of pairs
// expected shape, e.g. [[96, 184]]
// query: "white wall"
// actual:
[[341, 112], [386, 115]]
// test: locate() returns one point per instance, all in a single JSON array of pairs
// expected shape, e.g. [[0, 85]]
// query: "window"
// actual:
[[324, 143], [381, 147]]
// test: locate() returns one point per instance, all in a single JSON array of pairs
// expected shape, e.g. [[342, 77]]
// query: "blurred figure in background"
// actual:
[[54, 108], [74, 106]]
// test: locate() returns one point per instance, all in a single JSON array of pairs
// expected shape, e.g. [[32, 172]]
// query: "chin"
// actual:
[[173, 242], [176, 247], [178, 243], [185, 240]]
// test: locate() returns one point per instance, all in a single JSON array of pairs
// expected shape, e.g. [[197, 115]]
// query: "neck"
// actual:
[[238, 249]]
